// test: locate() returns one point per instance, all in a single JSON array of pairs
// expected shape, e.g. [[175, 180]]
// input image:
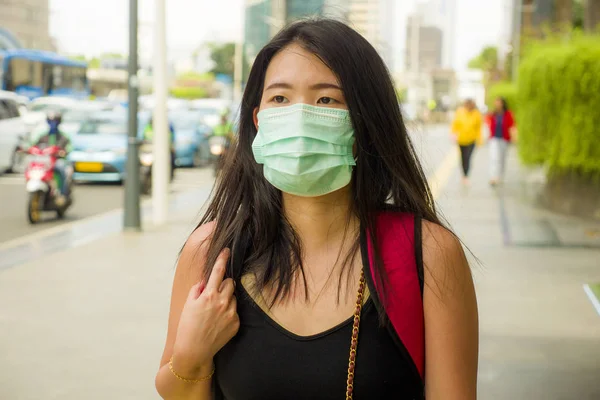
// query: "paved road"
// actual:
[[90, 200]]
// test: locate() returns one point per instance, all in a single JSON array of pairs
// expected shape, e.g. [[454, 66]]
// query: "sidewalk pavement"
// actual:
[[89, 322], [539, 334]]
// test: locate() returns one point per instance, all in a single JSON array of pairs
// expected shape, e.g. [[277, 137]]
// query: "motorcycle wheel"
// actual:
[[33, 207]]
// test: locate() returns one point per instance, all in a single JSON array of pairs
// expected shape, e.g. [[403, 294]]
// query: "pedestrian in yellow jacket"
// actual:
[[466, 129]]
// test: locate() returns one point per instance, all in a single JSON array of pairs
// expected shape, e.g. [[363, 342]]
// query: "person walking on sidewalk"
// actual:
[[321, 268], [466, 129], [502, 125]]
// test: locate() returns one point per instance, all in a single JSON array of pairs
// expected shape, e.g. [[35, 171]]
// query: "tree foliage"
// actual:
[[559, 105], [487, 60], [222, 56], [188, 93], [505, 89]]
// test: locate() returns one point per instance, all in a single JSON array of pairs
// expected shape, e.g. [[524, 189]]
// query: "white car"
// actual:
[[13, 130]]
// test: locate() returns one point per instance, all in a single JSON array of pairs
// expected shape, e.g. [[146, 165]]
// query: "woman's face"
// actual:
[[296, 75], [498, 105]]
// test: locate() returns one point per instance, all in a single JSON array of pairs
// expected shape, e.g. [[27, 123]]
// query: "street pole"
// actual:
[[161, 143], [517, 39], [132, 220]]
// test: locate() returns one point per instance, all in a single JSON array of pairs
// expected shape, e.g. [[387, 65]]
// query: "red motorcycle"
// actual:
[[43, 184]]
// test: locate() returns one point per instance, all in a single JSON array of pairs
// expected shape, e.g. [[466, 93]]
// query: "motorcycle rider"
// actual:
[[149, 136], [54, 137], [224, 128]]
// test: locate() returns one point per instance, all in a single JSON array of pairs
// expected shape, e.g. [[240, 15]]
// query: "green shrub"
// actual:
[[188, 93], [508, 90], [559, 106]]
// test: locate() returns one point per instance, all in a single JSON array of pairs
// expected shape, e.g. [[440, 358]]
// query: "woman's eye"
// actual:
[[325, 100], [279, 99]]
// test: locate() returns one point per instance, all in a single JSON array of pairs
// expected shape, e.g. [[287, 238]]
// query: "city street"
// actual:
[[501, 103], [91, 199]]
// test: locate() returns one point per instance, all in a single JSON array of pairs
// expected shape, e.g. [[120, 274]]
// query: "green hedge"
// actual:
[[559, 106], [188, 93], [508, 90]]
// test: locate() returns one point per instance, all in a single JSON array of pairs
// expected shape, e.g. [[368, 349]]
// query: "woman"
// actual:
[[502, 125], [466, 129], [322, 153]]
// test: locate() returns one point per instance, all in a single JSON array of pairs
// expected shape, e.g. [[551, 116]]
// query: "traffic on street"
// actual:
[[95, 146]]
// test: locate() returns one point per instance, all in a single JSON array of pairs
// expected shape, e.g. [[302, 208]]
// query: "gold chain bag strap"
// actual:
[[354, 342]]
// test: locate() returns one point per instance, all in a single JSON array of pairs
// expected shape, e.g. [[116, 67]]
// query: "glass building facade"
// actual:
[[260, 23]]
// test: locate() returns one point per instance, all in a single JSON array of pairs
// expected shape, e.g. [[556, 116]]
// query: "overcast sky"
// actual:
[[95, 27]]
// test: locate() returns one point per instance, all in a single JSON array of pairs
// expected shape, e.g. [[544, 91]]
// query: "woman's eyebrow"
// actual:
[[316, 86], [279, 85], [319, 86]]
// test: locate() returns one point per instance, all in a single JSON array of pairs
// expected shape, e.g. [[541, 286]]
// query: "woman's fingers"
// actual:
[[196, 290], [218, 272], [227, 288]]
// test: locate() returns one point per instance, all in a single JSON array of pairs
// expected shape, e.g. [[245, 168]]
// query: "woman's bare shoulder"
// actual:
[[445, 264], [196, 246], [200, 235]]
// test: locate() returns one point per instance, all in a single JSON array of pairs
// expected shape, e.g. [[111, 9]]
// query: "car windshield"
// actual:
[[104, 127]]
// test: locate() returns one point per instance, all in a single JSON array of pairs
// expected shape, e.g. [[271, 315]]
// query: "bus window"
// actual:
[[24, 73], [36, 69], [79, 79], [20, 73], [57, 77]]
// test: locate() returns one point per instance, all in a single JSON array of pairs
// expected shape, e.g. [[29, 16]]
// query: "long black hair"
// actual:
[[387, 175]]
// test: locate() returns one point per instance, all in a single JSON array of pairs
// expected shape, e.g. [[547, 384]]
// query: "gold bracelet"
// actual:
[[181, 378]]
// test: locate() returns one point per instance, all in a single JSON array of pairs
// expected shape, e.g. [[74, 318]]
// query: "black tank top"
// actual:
[[266, 362]]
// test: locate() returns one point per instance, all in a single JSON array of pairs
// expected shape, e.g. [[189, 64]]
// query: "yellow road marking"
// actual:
[[442, 174]]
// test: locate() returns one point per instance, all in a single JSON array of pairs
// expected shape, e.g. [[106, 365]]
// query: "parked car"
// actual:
[[191, 139], [100, 148], [13, 131]]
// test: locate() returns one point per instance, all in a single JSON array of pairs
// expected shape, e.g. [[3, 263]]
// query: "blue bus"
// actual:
[[35, 73]]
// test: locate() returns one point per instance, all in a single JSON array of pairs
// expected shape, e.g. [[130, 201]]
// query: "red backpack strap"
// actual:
[[399, 239]]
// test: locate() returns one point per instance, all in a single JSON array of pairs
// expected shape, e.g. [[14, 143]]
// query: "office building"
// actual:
[[424, 44], [441, 14], [24, 23], [374, 19], [264, 18]]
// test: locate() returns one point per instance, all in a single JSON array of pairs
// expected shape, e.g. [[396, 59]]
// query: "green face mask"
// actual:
[[305, 150]]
